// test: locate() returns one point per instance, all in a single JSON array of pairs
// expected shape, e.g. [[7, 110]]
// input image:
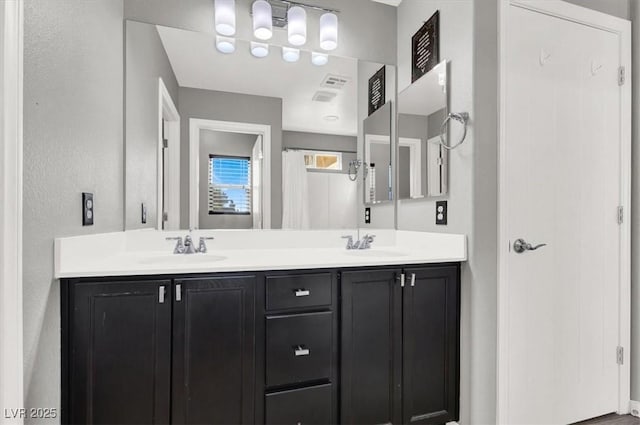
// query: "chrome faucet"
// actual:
[[179, 249], [188, 247], [202, 246], [364, 243]]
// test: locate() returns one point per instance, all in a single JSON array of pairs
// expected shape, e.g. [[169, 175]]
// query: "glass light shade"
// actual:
[[329, 31], [319, 59], [225, 44], [290, 54], [259, 50], [297, 23], [262, 20], [225, 19]]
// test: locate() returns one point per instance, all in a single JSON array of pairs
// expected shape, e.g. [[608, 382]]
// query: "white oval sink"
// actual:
[[374, 253], [180, 259]]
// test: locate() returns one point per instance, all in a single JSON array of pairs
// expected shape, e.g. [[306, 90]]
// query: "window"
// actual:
[[229, 185], [318, 160]]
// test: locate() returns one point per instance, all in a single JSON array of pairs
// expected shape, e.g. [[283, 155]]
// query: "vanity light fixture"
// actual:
[[225, 44], [297, 23], [289, 54], [319, 59], [259, 50], [329, 31], [225, 17], [262, 19]]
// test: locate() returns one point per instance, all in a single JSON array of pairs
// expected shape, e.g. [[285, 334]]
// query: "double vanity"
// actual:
[[279, 327]]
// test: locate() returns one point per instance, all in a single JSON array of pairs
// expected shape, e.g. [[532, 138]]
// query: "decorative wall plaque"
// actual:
[[377, 94], [425, 47]]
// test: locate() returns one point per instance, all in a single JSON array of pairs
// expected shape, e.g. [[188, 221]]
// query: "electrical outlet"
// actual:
[[441, 213], [87, 209], [144, 213], [367, 215]]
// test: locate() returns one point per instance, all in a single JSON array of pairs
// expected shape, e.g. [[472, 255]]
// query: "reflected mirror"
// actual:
[[378, 185], [240, 140], [422, 161]]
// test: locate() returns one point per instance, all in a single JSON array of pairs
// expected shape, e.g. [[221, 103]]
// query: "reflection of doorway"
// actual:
[[217, 200], [168, 161]]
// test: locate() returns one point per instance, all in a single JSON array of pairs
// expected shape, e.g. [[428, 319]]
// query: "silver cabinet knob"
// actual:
[[520, 246]]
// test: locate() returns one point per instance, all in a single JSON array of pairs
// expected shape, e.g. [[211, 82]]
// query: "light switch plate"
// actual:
[[87, 209], [442, 213], [367, 215]]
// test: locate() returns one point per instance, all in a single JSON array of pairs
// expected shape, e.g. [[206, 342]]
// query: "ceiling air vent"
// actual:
[[324, 96], [333, 81]]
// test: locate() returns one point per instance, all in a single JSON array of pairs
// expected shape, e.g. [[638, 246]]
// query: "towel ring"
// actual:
[[462, 118]]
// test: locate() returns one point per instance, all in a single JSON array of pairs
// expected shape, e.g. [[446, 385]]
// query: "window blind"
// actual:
[[229, 185]]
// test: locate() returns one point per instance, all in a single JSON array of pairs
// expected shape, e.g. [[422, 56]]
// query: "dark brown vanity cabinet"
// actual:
[[400, 345], [157, 352], [116, 344], [214, 350], [289, 347]]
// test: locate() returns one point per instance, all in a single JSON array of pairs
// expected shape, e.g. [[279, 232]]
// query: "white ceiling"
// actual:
[[197, 64], [389, 2]]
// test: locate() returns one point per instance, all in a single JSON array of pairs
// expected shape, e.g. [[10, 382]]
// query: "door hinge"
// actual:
[[178, 293], [620, 214], [165, 216], [622, 76], [620, 355], [165, 143], [161, 294]]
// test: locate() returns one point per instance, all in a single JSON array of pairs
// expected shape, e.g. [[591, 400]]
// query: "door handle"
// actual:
[[520, 246], [301, 351]]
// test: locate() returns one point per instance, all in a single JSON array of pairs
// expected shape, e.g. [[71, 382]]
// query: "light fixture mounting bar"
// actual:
[[309, 6]]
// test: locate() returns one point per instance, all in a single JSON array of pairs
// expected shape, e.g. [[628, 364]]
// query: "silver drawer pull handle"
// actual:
[[302, 292], [301, 351]]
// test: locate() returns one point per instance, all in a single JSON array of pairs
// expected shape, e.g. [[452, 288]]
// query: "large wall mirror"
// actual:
[[258, 138], [422, 161]]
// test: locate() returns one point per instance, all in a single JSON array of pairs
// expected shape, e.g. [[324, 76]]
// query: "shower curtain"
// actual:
[[295, 191]]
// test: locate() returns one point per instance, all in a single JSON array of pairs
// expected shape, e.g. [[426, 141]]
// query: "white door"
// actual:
[[562, 188], [256, 183]]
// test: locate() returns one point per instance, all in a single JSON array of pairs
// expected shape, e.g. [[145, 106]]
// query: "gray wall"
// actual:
[[635, 211], [359, 20], [220, 143], [222, 106], [145, 61], [73, 125]]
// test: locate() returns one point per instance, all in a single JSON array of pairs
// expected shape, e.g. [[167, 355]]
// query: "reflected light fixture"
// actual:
[[289, 54], [262, 20], [225, 17], [329, 31], [259, 50], [297, 23], [319, 59], [225, 44]]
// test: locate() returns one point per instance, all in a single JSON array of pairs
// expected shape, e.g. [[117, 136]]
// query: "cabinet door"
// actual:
[[371, 347], [431, 345], [214, 350], [119, 353]]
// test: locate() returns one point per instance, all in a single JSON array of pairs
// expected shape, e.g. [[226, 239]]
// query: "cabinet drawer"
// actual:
[[299, 348], [298, 291], [304, 406]]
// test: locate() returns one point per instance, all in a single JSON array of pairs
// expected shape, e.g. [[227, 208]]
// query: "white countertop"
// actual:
[[140, 253]]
